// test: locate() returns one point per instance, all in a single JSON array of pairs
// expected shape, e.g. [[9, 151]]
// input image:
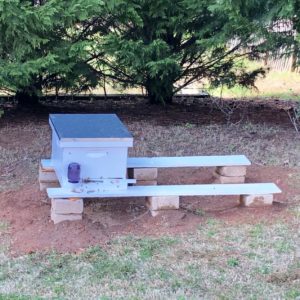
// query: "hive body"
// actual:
[[98, 143]]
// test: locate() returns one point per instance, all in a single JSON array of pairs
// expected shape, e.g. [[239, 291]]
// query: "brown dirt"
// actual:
[[27, 211], [32, 230]]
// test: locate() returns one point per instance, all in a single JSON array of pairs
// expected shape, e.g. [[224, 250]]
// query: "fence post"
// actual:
[[294, 58]]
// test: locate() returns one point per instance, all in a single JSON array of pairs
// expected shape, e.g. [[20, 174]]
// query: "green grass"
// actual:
[[4, 238], [242, 92], [217, 261], [235, 262], [279, 85], [4, 226]]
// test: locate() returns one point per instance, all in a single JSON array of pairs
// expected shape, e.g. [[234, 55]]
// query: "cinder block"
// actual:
[[47, 175], [143, 173], [57, 218], [234, 171], [66, 206], [256, 200], [45, 185], [146, 182], [225, 179], [162, 202]]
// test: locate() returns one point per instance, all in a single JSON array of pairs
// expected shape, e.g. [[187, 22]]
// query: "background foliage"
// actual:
[[161, 45]]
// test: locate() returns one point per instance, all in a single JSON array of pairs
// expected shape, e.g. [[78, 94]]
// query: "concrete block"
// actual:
[[234, 171], [57, 218], [225, 179], [143, 173], [47, 175], [67, 206], [162, 202], [146, 182], [256, 200], [45, 185]]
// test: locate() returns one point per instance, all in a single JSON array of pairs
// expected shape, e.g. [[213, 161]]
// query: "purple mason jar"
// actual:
[[74, 172]]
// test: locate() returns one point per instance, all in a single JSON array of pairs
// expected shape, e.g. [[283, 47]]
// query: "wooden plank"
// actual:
[[188, 161], [47, 165], [173, 190], [180, 161]]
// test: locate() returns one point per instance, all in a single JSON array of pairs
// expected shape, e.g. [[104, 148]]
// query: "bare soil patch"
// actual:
[[32, 230], [260, 131]]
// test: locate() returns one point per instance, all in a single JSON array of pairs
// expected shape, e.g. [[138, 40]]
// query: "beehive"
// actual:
[[98, 143]]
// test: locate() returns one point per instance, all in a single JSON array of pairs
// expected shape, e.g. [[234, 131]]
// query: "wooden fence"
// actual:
[[283, 59]]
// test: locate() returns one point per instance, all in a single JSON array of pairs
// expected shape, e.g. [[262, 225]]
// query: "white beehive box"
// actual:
[[98, 143]]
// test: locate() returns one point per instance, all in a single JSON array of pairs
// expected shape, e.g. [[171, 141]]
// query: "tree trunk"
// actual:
[[159, 91], [27, 98], [294, 58]]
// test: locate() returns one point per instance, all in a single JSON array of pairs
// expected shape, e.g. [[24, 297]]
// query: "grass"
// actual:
[[282, 85], [217, 261], [246, 261], [264, 144], [279, 85], [276, 84]]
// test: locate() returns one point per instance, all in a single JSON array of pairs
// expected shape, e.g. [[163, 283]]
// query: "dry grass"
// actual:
[[280, 85], [217, 261], [263, 144], [276, 84], [23, 147]]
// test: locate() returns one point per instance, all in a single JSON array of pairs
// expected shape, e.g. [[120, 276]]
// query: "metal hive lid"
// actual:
[[88, 126]]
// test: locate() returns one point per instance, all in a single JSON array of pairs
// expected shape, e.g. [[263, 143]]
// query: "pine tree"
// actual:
[[40, 48], [164, 45], [282, 38]]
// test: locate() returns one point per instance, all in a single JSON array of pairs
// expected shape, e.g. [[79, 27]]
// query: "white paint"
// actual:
[[173, 190], [188, 161], [101, 160], [96, 154], [47, 164], [181, 161]]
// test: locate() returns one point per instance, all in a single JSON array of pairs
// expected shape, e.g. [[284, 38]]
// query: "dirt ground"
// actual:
[[32, 229], [25, 139]]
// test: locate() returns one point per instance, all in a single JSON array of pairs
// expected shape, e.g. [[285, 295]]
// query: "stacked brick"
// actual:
[[143, 176], [233, 174], [160, 204], [66, 210], [61, 209], [256, 200], [72, 209], [148, 176], [237, 174], [47, 178]]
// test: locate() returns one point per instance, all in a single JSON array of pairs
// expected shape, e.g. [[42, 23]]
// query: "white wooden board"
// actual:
[[47, 164], [188, 161], [183, 161], [174, 190]]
